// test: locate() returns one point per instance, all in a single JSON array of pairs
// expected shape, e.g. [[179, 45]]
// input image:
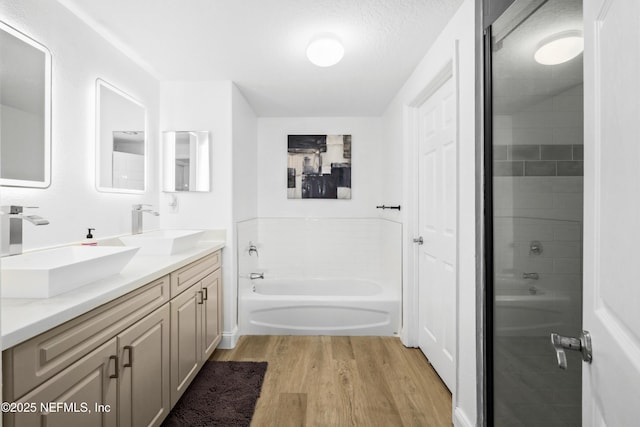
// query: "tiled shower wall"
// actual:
[[538, 196], [538, 193], [360, 248], [538, 160], [543, 139]]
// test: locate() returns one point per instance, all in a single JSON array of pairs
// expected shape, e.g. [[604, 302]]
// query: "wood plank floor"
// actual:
[[343, 381]]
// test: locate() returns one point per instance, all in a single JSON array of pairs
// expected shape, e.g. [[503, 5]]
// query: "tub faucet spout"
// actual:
[[253, 276]]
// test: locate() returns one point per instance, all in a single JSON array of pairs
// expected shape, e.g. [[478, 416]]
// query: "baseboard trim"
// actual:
[[229, 339], [460, 419]]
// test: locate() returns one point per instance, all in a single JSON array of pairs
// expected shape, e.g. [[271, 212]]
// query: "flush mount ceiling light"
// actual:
[[559, 48], [325, 51]]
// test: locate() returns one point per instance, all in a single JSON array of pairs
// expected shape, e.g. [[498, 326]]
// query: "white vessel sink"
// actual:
[[163, 242], [51, 272]]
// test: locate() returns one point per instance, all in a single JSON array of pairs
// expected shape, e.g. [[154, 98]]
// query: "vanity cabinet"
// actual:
[[211, 314], [90, 381], [32, 362], [195, 330], [122, 364], [144, 367]]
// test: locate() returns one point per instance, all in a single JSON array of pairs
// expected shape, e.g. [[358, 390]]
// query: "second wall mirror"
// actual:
[[186, 161], [121, 147]]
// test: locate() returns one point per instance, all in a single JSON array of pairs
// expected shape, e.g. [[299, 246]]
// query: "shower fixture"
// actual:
[[252, 249], [535, 248]]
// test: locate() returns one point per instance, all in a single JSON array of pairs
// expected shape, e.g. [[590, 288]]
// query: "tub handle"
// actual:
[[252, 249], [581, 344]]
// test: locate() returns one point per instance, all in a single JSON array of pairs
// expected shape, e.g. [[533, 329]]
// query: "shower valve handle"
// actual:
[[581, 344]]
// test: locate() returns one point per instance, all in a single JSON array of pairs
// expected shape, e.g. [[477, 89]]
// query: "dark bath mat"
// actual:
[[222, 394]]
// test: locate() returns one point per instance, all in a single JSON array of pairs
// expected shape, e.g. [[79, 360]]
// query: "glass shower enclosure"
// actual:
[[534, 198]]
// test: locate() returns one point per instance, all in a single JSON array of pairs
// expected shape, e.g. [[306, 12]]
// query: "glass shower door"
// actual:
[[536, 199]]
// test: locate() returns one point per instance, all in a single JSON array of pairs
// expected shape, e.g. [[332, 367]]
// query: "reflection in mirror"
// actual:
[[186, 161], [120, 141], [25, 110]]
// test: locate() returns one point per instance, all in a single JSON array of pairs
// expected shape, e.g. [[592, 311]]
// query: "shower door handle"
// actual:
[[418, 240], [581, 344]]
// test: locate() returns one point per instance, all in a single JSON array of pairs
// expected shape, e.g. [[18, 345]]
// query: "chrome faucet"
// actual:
[[11, 228], [136, 217], [253, 276]]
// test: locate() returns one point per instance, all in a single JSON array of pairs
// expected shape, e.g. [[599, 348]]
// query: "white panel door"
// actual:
[[437, 227], [611, 312]]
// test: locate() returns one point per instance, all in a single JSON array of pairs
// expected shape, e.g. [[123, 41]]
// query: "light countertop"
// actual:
[[23, 319]]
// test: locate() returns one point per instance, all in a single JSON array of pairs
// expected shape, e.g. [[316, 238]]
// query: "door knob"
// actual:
[[418, 240], [581, 344]]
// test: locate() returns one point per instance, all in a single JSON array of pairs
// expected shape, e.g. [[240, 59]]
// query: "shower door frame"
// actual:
[[491, 10], [488, 270]]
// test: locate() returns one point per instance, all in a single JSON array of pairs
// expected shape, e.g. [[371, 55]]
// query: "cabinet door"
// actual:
[[186, 350], [211, 313], [84, 394], [144, 398]]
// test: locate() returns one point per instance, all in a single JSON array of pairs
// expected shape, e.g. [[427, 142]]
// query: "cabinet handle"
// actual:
[[201, 297], [115, 366], [206, 293], [130, 359]]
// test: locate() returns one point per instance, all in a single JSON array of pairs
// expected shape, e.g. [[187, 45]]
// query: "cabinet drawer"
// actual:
[[191, 274], [31, 363]]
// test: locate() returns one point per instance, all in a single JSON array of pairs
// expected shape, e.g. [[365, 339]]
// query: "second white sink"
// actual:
[[47, 273], [163, 242]]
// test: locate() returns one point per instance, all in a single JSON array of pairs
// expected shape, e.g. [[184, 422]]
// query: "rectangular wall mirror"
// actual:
[[186, 161], [120, 141], [25, 110]]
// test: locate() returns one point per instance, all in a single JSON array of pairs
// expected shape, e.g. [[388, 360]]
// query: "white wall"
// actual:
[[245, 158], [367, 171], [206, 106], [245, 177], [460, 29], [79, 57], [202, 106], [355, 248]]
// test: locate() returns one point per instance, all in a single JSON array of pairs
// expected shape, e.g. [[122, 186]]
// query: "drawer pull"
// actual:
[[115, 366], [201, 297], [129, 364], [206, 293]]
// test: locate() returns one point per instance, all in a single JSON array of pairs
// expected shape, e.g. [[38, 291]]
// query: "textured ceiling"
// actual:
[[260, 45]]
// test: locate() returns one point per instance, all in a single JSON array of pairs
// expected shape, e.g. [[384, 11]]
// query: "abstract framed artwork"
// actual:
[[319, 166]]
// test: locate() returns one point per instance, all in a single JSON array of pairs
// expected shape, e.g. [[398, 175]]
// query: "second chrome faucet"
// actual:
[[136, 217]]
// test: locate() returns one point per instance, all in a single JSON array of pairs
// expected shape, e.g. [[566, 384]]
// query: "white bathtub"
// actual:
[[528, 308], [317, 307]]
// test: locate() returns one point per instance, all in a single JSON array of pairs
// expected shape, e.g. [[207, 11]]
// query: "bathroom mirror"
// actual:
[[186, 161], [25, 110], [120, 141]]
